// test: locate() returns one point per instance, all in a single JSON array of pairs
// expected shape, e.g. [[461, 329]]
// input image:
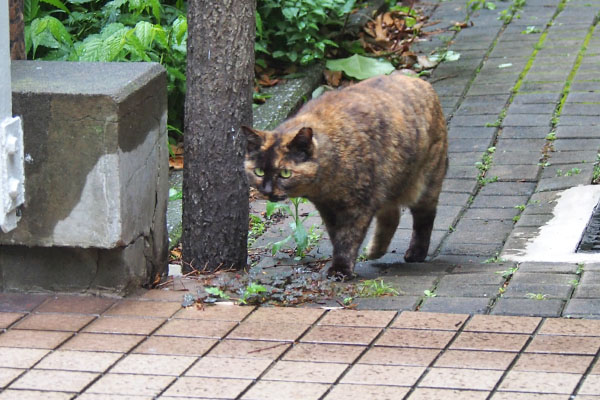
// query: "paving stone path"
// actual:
[[524, 108]]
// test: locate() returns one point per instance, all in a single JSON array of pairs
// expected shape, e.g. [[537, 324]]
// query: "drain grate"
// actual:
[[590, 241]]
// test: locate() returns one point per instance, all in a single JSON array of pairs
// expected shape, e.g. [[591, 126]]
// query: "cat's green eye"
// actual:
[[285, 173], [259, 172]]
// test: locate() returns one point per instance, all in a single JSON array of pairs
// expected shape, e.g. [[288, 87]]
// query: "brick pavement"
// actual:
[[64, 347], [484, 331]]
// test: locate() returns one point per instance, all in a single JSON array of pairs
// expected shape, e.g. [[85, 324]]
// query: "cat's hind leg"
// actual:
[[423, 218], [386, 222]]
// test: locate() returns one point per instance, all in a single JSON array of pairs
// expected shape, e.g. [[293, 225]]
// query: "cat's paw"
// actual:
[[415, 255], [340, 271], [374, 252]]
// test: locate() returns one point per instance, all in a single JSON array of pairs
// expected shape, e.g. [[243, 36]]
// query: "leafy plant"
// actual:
[[429, 293], [298, 31], [375, 288], [530, 29], [116, 30], [253, 294], [484, 165], [257, 228], [301, 237], [496, 259]]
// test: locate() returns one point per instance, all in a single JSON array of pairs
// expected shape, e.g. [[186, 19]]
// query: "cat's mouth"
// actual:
[[275, 198]]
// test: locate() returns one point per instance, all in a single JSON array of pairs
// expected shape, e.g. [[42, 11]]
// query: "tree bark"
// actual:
[[17, 30], [220, 73]]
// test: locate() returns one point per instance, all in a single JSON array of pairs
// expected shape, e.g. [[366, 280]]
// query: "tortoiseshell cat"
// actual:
[[358, 153]]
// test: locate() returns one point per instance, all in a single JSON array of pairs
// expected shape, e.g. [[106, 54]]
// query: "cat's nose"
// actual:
[[267, 187]]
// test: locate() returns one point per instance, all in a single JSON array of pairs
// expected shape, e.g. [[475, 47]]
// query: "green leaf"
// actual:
[[277, 245], [300, 236], [58, 4], [360, 67], [144, 31], [31, 9]]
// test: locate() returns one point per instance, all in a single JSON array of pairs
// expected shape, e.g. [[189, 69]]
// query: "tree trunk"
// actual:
[[17, 30], [220, 73]]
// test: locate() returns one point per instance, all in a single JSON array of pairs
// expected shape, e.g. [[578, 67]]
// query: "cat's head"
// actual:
[[281, 165]]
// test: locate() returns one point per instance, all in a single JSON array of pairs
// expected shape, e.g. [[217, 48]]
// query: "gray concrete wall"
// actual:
[[96, 177]]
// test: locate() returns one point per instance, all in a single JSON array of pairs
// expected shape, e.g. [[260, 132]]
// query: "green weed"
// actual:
[[375, 288], [507, 273], [537, 296], [304, 239], [429, 293]]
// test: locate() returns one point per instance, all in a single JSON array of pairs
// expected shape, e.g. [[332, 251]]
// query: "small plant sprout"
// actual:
[[302, 238], [596, 173], [216, 292], [530, 29], [574, 282], [496, 259], [537, 296], [375, 288], [257, 228], [362, 256], [521, 207], [551, 136], [429, 293], [507, 273], [252, 294], [580, 268]]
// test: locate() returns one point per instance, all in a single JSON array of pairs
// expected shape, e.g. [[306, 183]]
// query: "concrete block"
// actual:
[[96, 173]]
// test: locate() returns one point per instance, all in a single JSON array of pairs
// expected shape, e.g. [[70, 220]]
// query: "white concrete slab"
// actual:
[[558, 239]]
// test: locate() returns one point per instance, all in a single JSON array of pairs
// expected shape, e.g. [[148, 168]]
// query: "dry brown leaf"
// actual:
[[333, 78], [176, 162], [266, 80], [176, 149]]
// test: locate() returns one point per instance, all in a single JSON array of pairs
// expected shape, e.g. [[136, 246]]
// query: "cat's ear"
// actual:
[[303, 142], [255, 139]]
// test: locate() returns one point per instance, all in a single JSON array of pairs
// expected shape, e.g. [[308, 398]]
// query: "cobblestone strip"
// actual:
[[507, 183]]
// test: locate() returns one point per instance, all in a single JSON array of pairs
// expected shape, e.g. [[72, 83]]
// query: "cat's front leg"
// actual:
[[346, 236]]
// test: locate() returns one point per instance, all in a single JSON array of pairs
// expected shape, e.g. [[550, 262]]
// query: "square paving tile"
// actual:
[[276, 390], [530, 396], [170, 345], [9, 318], [591, 385], [266, 331], [345, 392], [373, 318], [102, 342], [319, 352], [502, 324], [415, 338], [553, 363], [577, 327], [214, 388], [429, 320], [285, 315], [539, 382], [54, 322], [249, 349], [399, 356], [33, 339], [153, 364], [20, 302], [489, 341], [229, 367], [127, 325], [596, 368], [475, 359], [59, 381], [564, 344], [7, 375], [77, 304], [14, 357], [96, 396], [218, 312], [130, 385], [447, 394], [453, 378], [86, 361], [341, 335], [11, 394], [303, 371], [140, 308], [196, 328], [383, 375]]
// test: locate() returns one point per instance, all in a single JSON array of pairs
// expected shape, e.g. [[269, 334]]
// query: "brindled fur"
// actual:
[[358, 153]]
